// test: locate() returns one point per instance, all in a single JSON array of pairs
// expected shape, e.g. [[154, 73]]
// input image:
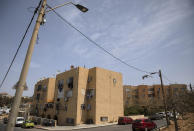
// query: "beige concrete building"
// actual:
[[43, 98], [145, 95], [83, 95], [88, 96]]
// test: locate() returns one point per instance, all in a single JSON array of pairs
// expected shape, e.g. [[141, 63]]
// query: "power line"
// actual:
[[93, 42], [35, 11], [170, 81]]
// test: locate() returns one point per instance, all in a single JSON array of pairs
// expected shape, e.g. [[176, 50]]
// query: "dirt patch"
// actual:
[[185, 124]]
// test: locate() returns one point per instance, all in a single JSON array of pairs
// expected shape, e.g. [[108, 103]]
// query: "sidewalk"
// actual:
[[82, 126]]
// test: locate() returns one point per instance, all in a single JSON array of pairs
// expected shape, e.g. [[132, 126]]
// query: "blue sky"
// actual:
[[149, 34]]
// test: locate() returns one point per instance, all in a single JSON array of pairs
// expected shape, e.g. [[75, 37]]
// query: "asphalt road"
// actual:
[[107, 128]]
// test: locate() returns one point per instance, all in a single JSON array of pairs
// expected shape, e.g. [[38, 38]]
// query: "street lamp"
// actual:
[[78, 6], [163, 95]]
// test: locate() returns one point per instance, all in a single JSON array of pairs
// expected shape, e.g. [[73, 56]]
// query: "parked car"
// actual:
[[125, 120], [142, 124], [171, 116], [161, 114], [5, 120], [28, 124], [156, 117], [19, 121]]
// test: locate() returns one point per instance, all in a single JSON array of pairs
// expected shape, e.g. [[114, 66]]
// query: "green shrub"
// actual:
[[133, 110]]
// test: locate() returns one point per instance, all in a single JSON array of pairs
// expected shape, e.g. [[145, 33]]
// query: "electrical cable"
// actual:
[[93, 42], [35, 11], [170, 81]]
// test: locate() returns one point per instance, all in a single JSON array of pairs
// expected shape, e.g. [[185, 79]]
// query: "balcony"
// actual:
[[150, 92]]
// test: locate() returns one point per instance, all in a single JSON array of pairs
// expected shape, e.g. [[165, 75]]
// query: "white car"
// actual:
[[19, 121]]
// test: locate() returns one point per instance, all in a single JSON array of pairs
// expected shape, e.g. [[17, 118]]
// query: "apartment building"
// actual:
[[43, 98], [146, 95], [81, 95], [88, 96]]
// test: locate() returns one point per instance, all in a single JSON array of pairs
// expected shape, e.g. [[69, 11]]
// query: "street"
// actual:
[[106, 128]]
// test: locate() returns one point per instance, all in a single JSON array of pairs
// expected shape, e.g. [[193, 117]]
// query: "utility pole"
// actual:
[[174, 116], [164, 98], [22, 80], [190, 87]]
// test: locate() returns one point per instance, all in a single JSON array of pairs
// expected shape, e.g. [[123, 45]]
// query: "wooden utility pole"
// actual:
[[174, 117], [22, 80], [190, 87], [164, 98]]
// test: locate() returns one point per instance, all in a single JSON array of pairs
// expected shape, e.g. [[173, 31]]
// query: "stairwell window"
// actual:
[[38, 97], [89, 79], [103, 118], [70, 82], [39, 87], [114, 81], [88, 107], [83, 106]]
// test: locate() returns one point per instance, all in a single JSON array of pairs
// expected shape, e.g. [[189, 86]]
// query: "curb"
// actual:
[[158, 129], [75, 128]]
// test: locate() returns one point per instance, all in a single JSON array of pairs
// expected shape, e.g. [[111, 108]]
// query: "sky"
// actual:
[[148, 34]]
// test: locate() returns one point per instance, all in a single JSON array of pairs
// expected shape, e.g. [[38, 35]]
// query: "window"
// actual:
[[38, 97], [44, 88], [182, 89], [114, 81], [135, 91], [60, 85], [70, 82], [83, 106], [83, 91], [39, 87], [70, 120], [89, 79], [104, 118], [49, 105], [158, 91], [150, 89], [136, 96], [69, 93], [57, 106], [88, 107], [127, 90], [90, 93], [150, 95]]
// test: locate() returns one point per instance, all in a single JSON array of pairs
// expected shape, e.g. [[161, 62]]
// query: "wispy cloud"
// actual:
[[34, 65]]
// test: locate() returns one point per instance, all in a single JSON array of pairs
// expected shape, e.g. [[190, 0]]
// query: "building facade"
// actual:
[[84, 95], [43, 98], [145, 95]]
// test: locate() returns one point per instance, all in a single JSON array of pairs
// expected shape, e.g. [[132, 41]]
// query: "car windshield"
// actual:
[[137, 121], [121, 118], [20, 119]]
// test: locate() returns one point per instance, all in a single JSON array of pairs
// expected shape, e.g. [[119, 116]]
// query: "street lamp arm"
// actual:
[[59, 6], [78, 6], [152, 73]]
